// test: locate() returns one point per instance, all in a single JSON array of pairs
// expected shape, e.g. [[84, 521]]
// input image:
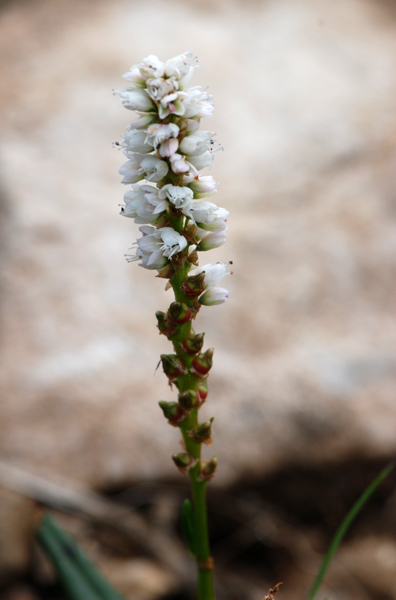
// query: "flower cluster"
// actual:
[[165, 149]]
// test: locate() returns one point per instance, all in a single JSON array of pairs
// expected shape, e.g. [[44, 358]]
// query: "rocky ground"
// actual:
[[305, 350]]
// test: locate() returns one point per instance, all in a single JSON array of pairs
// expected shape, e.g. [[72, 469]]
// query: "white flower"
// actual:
[[131, 170], [158, 245], [172, 104], [206, 108], [197, 143], [151, 67], [211, 240], [143, 166], [143, 121], [191, 126], [201, 185], [135, 99], [134, 77], [152, 240], [202, 161], [157, 133], [213, 296], [179, 163], [197, 103], [154, 169], [179, 196], [149, 260], [213, 273], [173, 241], [181, 66], [207, 215], [158, 88], [135, 141], [143, 204]]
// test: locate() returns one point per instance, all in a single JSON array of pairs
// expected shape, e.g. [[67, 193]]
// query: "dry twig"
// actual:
[[272, 591]]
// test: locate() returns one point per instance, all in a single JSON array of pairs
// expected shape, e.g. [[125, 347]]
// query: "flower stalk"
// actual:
[[166, 153]]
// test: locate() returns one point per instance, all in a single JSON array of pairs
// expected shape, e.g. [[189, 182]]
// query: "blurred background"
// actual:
[[303, 384]]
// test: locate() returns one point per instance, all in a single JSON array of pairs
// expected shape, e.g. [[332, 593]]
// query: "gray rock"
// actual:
[[305, 349]]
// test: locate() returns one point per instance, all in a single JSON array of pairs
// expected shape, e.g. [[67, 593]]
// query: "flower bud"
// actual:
[[212, 240], [178, 163], [202, 363], [183, 461], [202, 186], [214, 295], [168, 148], [172, 411], [188, 399], [202, 433], [136, 99], [179, 312], [194, 344], [203, 390], [193, 286], [208, 468], [172, 365], [142, 121], [165, 326]]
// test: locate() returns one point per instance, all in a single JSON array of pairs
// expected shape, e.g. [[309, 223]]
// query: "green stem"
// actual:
[[205, 589], [204, 561], [198, 488], [177, 281]]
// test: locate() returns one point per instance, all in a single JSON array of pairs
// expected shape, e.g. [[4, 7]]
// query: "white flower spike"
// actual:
[[166, 152], [166, 149]]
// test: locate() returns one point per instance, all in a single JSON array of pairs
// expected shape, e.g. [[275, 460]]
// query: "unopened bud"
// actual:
[[213, 239], [188, 399], [202, 363], [165, 326], [203, 390], [194, 344], [208, 468], [179, 312], [193, 286], [203, 186], [183, 461], [214, 295], [202, 433], [172, 365], [172, 411]]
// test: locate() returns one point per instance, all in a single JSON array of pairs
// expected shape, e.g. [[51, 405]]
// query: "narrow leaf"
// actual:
[[72, 580], [75, 570], [351, 516]]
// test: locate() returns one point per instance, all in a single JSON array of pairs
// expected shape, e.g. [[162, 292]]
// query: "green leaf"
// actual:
[[188, 526], [79, 577], [347, 522]]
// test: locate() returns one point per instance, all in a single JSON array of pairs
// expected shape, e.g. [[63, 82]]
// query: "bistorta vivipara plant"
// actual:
[[165, 148]]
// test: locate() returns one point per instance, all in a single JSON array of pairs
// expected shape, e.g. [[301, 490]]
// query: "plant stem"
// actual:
[[204, 560], [198, 488], [205, 563]]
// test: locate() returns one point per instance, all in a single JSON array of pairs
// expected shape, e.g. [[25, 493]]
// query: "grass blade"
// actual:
[[353, 513], [77, 573]]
